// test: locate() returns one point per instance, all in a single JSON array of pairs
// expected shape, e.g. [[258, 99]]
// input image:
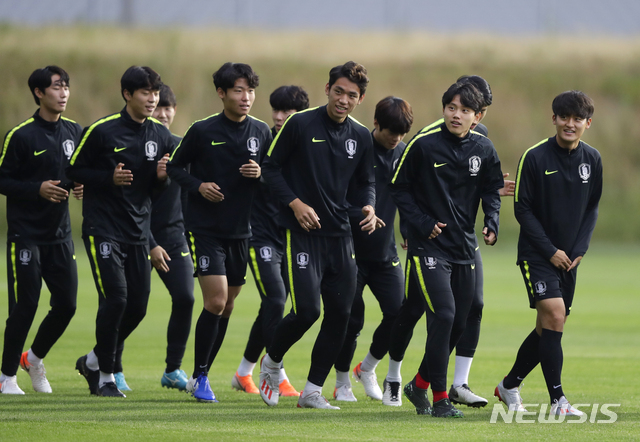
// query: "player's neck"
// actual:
[[48, 115]]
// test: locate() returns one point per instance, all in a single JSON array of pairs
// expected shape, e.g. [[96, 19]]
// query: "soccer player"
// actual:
[[309, 168], [377, 259], [119, 162], [224, 152], [266, 248], [438, 185], [39, 246], [558, 188]]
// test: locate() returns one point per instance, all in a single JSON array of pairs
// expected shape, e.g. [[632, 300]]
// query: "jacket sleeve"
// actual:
[[183, 155], [277, 156], [85, 167], [11, 160], [364, 179], [590, 216], [493, 182]]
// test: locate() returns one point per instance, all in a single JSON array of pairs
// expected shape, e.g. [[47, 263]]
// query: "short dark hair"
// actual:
[[225, 77], [352, 71], [167, 97], [139, 77], [574, 103], [41, 79], [289, 97], [481, 84], [395, 114], [470, 96]]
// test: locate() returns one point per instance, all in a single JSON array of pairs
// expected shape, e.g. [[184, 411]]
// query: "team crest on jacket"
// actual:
[[68, 147], [25, 256], [541, 287], [585, 171], [303, 260], [151, 150], [351, 146], [474, 165], [105, 249], [265, 253], [431, 262], [204, 263], [253, 145]]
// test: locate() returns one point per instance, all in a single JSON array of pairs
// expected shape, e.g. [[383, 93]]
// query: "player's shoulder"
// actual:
[[261, 125], [590, 150], [20, 130], [106, 123]]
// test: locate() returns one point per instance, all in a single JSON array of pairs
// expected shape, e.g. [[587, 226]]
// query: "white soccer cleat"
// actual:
[[344, 393], [462, 394], [315, 400], [510, 396], [191, 385], [391, 395], [562, 407], [37, 373], [369, 381], [269, 384], [10, 386]]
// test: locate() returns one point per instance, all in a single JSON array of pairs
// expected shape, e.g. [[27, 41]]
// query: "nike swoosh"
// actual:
[[546, 172], [215, 143], [556, 386], [185, 253], [35, 154], [438, 165], [353, 256], [317, 141], [395, 264], [119, 149]]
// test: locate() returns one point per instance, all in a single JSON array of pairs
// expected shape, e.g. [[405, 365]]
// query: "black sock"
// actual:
[[206, 333], [526, 360], [551, 361], [222, 330]]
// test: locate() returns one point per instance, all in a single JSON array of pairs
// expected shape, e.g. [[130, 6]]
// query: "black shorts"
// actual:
[[221, 256], [543, 280]]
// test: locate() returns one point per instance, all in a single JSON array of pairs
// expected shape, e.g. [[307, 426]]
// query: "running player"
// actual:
[[119, 162], [558, 188], [265, 250], [39, 245], [309, 168], [223, 152]]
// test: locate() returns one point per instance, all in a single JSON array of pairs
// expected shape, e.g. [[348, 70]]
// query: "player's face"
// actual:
[[165, 114], [344, 96], [482, 114], [142, 103], [386, 138], [54, 98], [459, 118], [237, 100], [279, 117], [569, 129]]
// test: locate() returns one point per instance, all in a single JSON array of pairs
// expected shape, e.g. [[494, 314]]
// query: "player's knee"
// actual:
[[308, 315]]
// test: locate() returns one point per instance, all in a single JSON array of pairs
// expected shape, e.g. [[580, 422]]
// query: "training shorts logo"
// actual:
[[474, 165], [105, 249], [253, 145], [541, 287], [25, 256], [351, 146], [151, 150], [431, 262], [68, 147], [303, 260], [204, 263], [265, 253], [584, 170]]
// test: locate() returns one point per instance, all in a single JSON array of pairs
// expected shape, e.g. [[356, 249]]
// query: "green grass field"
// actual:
[[601, 351]]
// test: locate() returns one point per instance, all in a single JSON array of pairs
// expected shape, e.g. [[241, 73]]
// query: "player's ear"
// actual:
[[326, 89], [361, 98], [38, 93]]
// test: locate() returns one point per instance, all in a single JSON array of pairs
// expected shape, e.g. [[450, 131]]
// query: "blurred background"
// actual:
[[529, 51]]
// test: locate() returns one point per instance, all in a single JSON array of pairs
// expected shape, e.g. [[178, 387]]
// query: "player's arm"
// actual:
[[365, 188], [490, 196], [86, 165], [590, 216], [252, 169]]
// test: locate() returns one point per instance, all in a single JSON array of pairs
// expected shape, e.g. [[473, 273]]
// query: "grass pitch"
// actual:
[[601, 351]]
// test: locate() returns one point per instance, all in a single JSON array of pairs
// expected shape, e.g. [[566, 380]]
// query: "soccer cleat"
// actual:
[[443, 408], [369, 381], [10, 386], [510, 396], [464, 396], [315, 400], [110, 389], [391, 394], [121, 383], [37, 373], [562, 407], [418, 397], [175, 379], [344, 394], [286, 389], [269, 387], [92, 376], [202, 391], [244, 383], [191, 385]]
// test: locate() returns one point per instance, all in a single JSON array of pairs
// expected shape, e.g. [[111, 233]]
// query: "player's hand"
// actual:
[[490, 237], [437, 229], [211, 191], [404, 245], [509, 187], [370, 222], [122, 177], [306, 216], [161, 170], [575, 263], [251, 170], [50, 191], [159, 258], [77, 191], [561, 261]]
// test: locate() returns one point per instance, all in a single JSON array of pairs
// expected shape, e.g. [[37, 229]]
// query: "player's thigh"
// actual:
[[339, 280], [60, 273], [387, 285], [304, 269], [23, 274], [266, 265]]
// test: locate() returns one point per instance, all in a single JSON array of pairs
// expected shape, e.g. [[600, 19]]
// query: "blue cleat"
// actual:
[[203, 392], [120, 382], [175, 379]]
